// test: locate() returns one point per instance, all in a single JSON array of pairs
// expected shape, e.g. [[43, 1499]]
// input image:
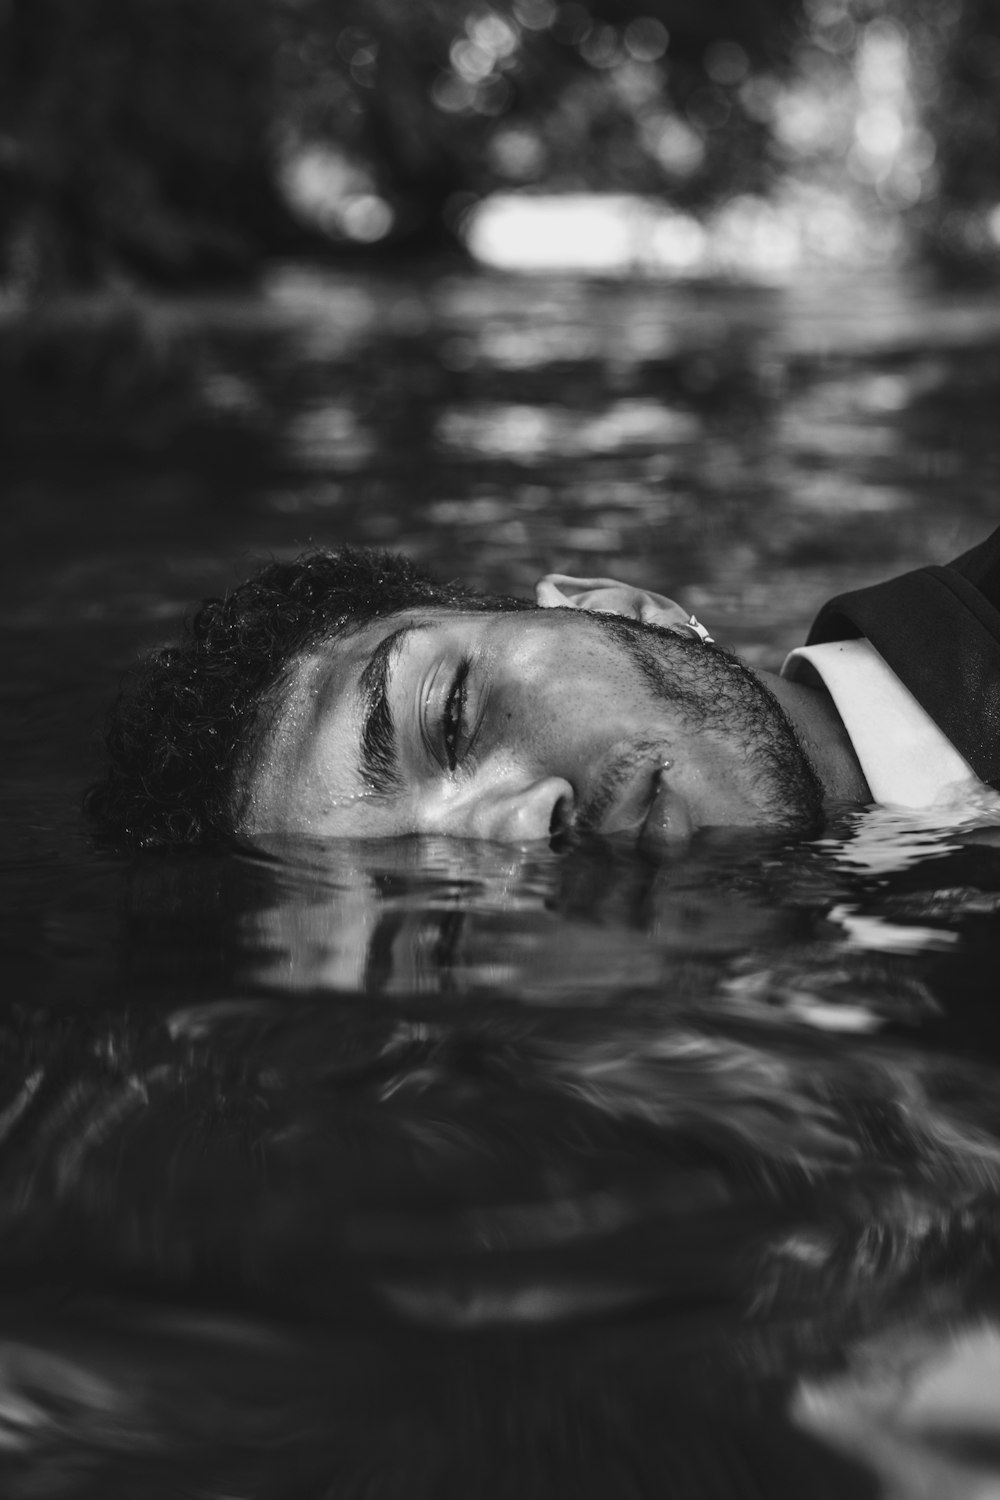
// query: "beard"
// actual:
[[717, 694]]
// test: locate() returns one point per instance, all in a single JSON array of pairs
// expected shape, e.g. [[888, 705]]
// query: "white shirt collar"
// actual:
[[906, 759]]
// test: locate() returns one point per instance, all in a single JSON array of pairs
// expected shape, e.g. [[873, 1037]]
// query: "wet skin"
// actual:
[[522, 726]]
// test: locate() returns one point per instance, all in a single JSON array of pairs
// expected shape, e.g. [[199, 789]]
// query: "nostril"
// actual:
[[561, 821]]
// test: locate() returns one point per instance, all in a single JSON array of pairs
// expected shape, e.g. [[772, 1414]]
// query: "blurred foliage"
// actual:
[[176, 140], [958, 55], [436, 104], [134, 140]]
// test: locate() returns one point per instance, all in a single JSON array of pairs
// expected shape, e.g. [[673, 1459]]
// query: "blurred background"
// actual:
[[168, 143]]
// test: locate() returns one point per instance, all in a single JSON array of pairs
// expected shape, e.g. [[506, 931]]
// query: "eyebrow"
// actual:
[[379, 750]]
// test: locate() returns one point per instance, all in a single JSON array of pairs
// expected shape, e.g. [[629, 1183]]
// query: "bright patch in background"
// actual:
[[854, 160], [327, 189], [605, 233], [748, 237], [646, 39]]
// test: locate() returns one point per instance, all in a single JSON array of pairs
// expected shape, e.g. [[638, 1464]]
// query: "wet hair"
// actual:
[[184, 728]]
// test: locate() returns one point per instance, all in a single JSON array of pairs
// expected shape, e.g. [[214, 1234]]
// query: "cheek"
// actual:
[[561, 671], [311, 794], [559, 694]]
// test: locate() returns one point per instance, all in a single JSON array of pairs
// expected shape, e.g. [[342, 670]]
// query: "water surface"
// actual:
[[438, 1168]]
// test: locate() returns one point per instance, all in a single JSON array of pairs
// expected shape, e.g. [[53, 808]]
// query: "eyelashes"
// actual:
[[453, 716]]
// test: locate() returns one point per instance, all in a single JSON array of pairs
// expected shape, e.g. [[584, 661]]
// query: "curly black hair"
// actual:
[[184, 726]]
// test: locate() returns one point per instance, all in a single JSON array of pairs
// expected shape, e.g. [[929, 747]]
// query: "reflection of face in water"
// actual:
[[418, 916], [429, 916], [518, 726], [745, 1189], [754, 1156], [436, 916]]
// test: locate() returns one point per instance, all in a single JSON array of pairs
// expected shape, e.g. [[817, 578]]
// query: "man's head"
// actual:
[[348, 694], [183, 733]]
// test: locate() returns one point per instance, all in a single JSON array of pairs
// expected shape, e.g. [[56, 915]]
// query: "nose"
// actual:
[[538, 810]]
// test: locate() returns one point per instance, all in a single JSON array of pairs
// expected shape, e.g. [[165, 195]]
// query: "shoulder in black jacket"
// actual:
[[939, 630]]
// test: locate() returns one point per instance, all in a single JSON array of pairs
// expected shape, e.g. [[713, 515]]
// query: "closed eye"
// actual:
[[453, 716]]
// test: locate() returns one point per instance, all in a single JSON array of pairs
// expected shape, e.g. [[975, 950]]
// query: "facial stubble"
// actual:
[[715, 693]]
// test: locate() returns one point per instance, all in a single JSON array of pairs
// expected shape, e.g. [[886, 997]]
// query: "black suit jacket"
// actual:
[[939, 630]]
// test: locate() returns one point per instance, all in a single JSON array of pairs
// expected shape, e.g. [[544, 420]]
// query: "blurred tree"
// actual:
[[958, 50], [135, 140], [172, 140]]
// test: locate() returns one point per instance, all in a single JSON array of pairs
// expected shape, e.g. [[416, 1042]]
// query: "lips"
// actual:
[[634, 800], [667, 824]]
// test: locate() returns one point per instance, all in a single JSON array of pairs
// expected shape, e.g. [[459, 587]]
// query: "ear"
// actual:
[[608, 596]]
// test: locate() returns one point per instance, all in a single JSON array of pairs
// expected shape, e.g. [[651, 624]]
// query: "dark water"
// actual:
[[427, 1168]]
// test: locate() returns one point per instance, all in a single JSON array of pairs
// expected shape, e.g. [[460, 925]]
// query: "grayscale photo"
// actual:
[[501, 660]]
